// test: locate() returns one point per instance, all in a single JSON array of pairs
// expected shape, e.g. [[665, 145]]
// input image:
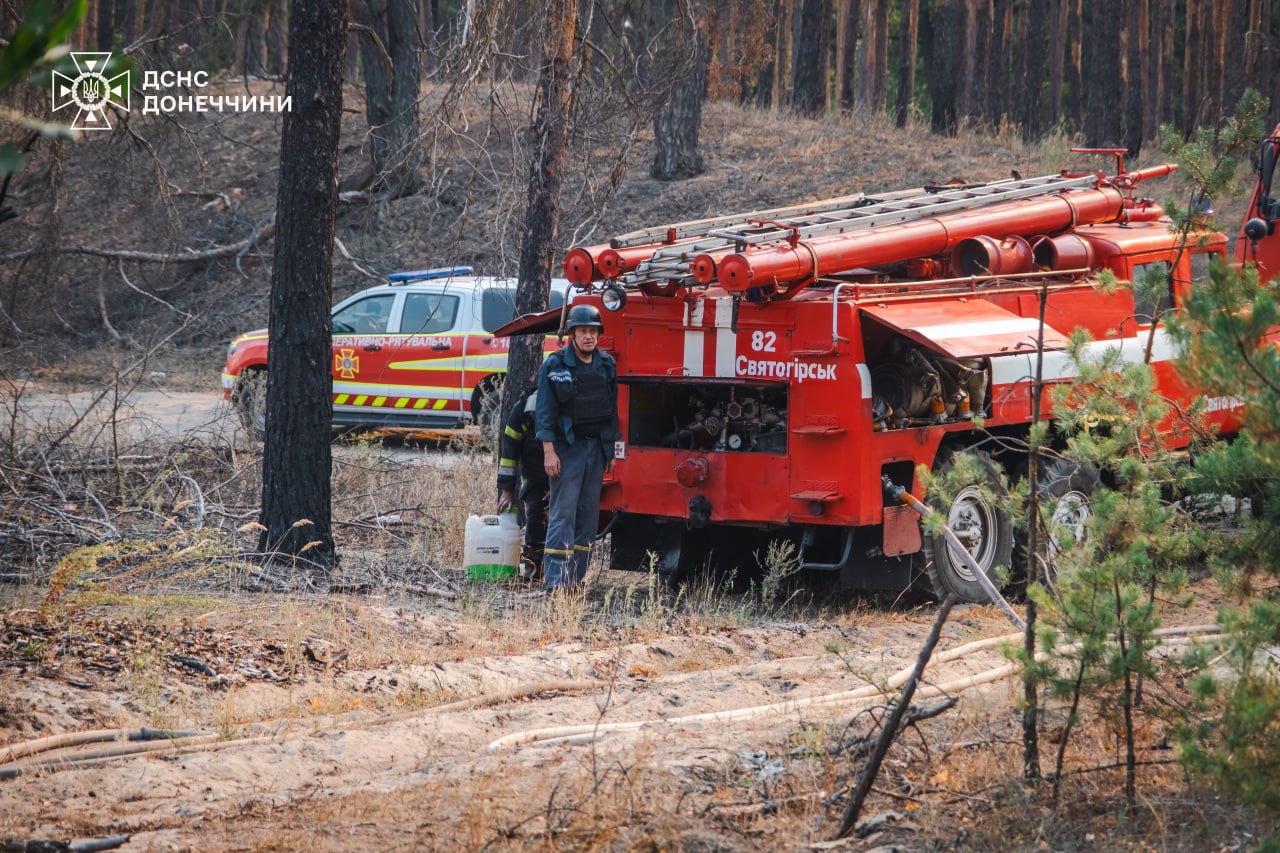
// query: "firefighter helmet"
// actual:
[[584, 315]]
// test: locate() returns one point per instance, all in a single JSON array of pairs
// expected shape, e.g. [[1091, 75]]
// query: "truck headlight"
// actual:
[[613, 297]]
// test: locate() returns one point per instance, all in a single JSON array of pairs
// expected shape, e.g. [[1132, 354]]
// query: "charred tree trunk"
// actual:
[[1193, 65], [1034, 113], [277, 37], [1057, 59], [1132, 112], [1072, 77], [106, 24], [948, 37], [679, 118], [296, 463], [907, 62], [1102, 119], [998, 78], [549, 137], [391, 98], [983, 55], [848, 18], [1153, 78], [809, 63]]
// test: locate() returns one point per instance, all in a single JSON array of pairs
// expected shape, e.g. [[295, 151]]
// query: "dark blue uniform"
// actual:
[[577, 410]]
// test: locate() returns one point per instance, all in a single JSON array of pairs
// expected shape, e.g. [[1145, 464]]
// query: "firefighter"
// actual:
[[521, 451], [577, 423]]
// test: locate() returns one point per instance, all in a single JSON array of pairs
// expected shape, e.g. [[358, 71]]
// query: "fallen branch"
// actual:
[[232, 250], [890, 731]]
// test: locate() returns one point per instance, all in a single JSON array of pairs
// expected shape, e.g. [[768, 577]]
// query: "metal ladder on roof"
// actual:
[[804, 222]]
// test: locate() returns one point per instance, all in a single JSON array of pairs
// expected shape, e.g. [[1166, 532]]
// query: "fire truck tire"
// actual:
[[1066, 491], [249, 396], [979, 517]]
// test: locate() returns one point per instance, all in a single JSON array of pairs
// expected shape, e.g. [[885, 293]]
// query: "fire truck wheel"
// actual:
[[1066, 492], [979, 518], [250, 399]]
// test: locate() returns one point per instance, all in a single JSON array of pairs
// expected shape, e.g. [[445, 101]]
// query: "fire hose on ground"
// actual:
[[859, 697]]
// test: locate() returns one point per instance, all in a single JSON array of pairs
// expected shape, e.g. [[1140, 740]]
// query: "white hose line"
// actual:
[[588, 732]]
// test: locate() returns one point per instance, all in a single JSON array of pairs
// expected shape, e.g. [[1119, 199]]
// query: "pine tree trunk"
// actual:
[[782, 54], [876, 70], [277, 37], [296, 488], [809, 62], [847, 22], [1102, 119], [391, 98], [1193, 65], [1057, 59], [948, 38], [907, 61], [548, 139], [1034, 112], [1073, 77], [983, 55], [969, 86], [1134, 74], [998, 67], [1153, 75], [678, 120], [106, 24]]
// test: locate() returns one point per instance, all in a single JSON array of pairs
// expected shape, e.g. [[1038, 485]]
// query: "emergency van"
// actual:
[[418, 351]]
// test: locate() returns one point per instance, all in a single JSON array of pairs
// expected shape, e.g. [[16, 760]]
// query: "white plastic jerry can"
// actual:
[[491, 550]]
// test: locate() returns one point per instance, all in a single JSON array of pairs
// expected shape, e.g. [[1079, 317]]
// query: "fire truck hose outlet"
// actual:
[[580, 264], [899, 493], [692, 472]]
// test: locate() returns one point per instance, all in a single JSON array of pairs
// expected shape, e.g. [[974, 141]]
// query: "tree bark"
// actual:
[[1134, 74], [1072, 100], [782, 53], [1193, 65], [549, 137], [948, 36], [391, 97], [907, 61], [297, 462], [1102, 119], [1034, 112], [998, 72], [679, 118], [875, 59], [1057, 59], [809, 60], [848, 18], [277, 37], [106, 24]]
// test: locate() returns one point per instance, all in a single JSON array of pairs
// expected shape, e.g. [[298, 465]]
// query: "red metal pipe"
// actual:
[[580, 264], [614, 262], [784, 265]]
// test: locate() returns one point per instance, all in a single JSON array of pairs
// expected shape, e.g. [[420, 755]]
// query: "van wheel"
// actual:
[[979, 518], [249, 396], [1066, 490]]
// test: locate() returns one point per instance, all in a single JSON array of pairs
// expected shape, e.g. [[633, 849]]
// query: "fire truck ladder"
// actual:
[[805, 222]]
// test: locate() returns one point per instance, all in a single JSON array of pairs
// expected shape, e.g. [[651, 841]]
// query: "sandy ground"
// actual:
[[278, 750]]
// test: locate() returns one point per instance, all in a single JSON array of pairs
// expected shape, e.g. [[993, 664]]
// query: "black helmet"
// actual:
[[584, 315]]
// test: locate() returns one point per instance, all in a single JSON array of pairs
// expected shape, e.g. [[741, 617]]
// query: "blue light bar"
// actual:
[[420, 275]]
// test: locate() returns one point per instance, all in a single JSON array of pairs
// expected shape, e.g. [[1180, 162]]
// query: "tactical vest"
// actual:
[[592, 403]]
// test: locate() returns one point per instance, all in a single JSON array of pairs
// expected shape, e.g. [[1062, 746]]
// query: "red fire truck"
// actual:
[[777, 366]]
